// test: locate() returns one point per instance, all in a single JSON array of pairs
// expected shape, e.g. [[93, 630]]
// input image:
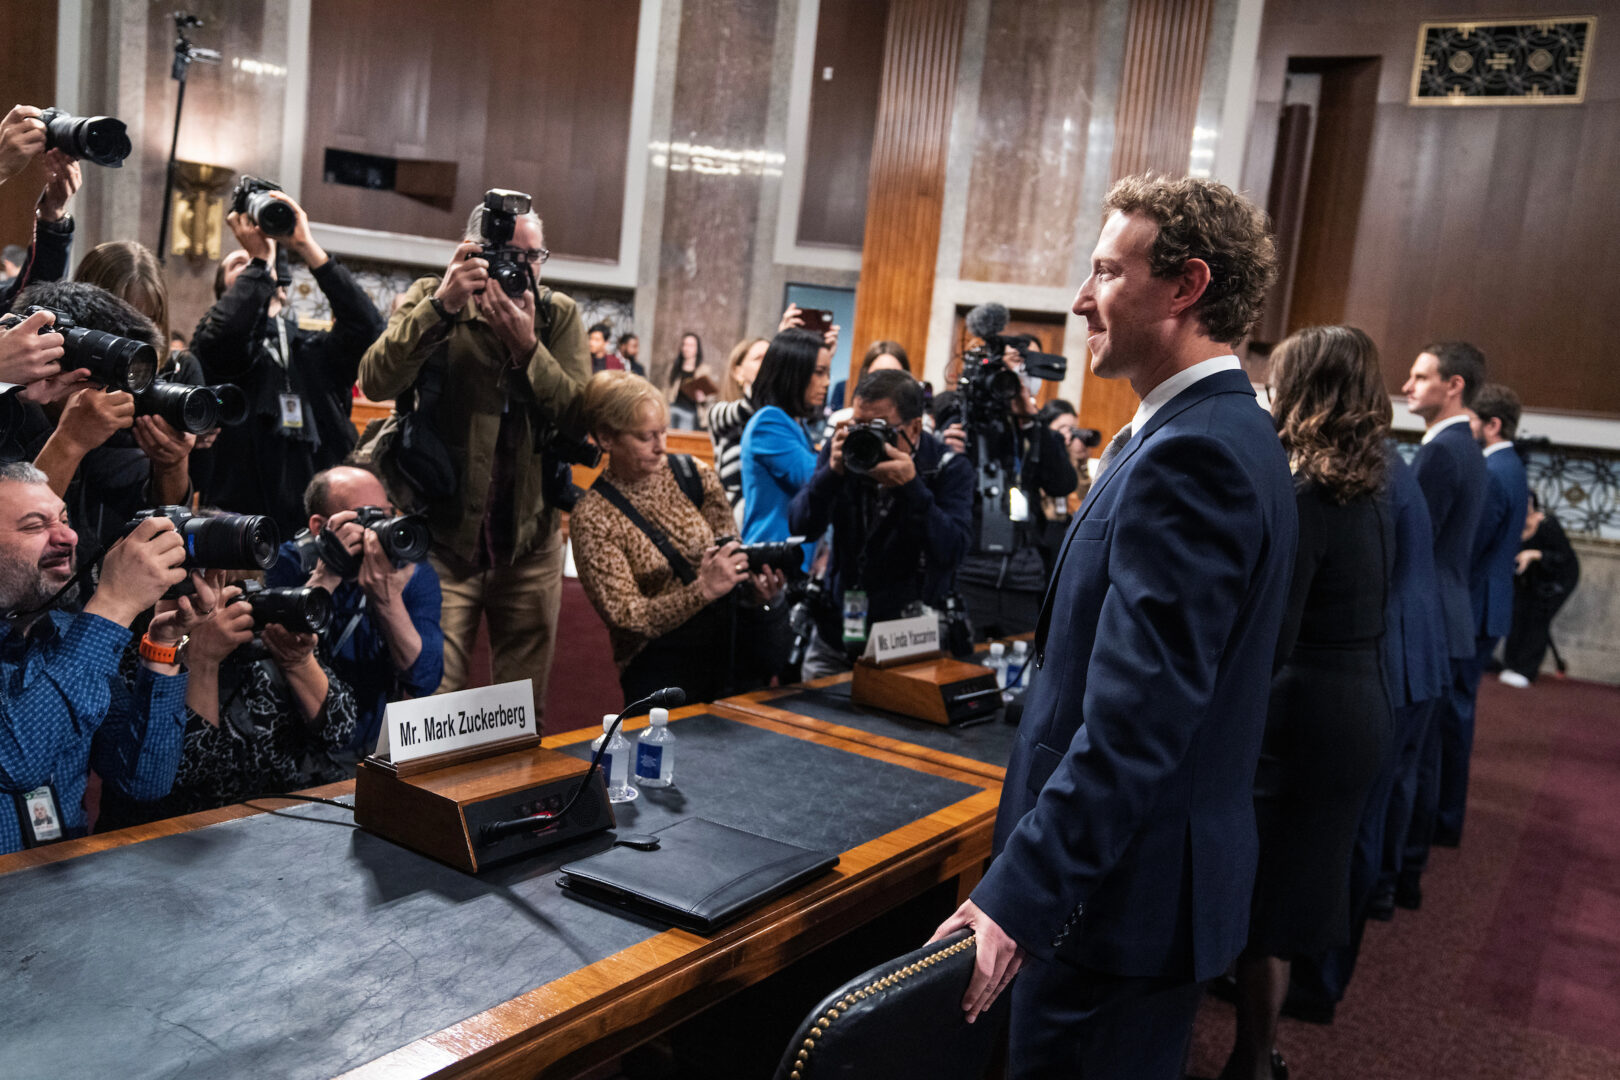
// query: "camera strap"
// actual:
[[677, 562]]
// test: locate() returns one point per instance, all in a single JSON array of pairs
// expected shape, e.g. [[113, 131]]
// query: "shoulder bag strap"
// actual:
[[677, 562], [686, 475]]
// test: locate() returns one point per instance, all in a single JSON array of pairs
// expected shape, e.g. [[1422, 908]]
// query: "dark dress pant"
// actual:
[[1087, 1025], [1418, 720], [1457, 744]]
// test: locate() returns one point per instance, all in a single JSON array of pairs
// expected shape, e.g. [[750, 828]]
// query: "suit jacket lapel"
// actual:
[[1222, 382]]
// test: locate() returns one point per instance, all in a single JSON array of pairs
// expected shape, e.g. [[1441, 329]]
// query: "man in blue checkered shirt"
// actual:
[[64, 708]]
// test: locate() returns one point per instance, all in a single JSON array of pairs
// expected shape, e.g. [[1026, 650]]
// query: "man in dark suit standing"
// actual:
[[1126, 842], [1451, 471], [1490, 586]]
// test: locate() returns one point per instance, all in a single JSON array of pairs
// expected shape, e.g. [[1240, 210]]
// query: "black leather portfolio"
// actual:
[[701, 876]]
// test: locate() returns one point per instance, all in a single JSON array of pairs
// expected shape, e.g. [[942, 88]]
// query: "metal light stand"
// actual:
[[184, 54]]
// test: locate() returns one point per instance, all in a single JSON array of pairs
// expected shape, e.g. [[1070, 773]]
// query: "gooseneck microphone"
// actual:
[[668, 698]]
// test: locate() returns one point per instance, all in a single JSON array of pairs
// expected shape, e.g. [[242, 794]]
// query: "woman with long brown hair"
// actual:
[[1328, 727]]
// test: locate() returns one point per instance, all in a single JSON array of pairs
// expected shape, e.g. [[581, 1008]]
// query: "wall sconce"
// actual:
[[197, 213]]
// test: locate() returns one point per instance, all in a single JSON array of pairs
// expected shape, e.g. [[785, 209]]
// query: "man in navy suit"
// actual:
[[1126, 842], [1451, 471], [1496, 546]]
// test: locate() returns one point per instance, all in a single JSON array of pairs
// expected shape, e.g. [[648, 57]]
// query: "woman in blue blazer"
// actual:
[[778, 449]]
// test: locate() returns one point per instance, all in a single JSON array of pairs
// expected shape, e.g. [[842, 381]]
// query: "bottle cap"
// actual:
[[607, 720], [658, 717], [998, 648], [1020, 647]]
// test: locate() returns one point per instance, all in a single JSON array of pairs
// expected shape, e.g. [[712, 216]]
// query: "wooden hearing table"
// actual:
[[823, 706], [277, 940]]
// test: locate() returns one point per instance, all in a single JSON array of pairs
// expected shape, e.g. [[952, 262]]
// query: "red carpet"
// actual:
[[584, 682], [1512, 967]]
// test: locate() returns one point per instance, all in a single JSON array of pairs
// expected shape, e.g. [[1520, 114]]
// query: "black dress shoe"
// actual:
[[1446, 839], [1224, 987], [1409, 894], [1382, 905], [1279, 1067]]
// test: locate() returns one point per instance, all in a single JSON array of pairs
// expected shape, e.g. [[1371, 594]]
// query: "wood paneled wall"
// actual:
[[526, 94], [1165, 45], [1493, 224], [843, 115], [30, 31], [907, 193]]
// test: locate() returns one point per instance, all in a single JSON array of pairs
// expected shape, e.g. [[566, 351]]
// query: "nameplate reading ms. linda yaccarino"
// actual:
[[900, 638], [488, 714]]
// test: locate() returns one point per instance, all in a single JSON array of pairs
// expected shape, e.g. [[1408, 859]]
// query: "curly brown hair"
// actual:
[[1331, 409], [1200, 219]]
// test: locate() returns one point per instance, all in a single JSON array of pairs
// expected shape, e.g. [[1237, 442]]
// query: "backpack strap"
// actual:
[[677, 562], [687, 476]]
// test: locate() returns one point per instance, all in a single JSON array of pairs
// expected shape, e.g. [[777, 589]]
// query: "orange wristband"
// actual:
[[159, 654]]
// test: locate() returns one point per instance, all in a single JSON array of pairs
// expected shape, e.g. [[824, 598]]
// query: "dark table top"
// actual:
[[293, 944], [989, 741]]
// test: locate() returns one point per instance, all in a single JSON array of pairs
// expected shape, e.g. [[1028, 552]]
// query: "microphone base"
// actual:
[[442, 813]]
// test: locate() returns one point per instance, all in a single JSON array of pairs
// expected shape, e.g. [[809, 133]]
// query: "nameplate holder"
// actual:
[[899, 640], [428, 733]]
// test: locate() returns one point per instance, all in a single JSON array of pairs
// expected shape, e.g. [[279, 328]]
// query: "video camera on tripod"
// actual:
[[988, 387]]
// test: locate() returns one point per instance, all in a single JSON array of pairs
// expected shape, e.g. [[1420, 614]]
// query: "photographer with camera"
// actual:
[[384, 639], [64, 707], [299, 383], [104, 457], [652, 541], [991, 418], [901, 510], [492, 367], [264, 714], [24, 135]]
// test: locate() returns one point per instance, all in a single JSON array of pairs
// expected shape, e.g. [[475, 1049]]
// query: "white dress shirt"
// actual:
[[1495, 446], [1175, 384], [1460, 418]]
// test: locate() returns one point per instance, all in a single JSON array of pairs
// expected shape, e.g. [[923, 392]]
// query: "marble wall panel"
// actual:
[[1030, 141], [715, 164], [233, 117]]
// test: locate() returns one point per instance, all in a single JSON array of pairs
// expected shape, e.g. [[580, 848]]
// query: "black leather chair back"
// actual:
[[902, 1018]]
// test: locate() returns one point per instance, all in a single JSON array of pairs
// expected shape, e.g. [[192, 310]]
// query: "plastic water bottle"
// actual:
[[655, 752], [615, 762], [998, 662], [1018, 666]]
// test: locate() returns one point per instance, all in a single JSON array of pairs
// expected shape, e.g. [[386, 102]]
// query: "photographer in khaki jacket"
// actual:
[[514, 372]]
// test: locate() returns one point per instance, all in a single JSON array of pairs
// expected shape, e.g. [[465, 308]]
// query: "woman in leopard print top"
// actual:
[[665, 632]]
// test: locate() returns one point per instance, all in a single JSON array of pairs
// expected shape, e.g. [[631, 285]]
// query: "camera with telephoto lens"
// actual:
[[182, 406], [98, 139], [233, 404], [785, 555], [119, 363], [866, 445], [303, 609], [252, 199], [508, 265], [405, 539], [218, 541]]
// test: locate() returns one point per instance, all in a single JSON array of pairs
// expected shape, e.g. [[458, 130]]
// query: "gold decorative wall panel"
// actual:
[[1503, 62]]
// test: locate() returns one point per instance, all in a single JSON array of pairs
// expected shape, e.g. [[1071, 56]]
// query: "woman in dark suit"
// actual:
[[1328, 726]]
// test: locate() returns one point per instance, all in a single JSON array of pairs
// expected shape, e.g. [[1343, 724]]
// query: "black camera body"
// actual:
[[405, 539], [119, 363], [560, 454], [784, 555], [252, 199], [508, 266], [217, 541], [866, 445], [301, 609], [99, 139]]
